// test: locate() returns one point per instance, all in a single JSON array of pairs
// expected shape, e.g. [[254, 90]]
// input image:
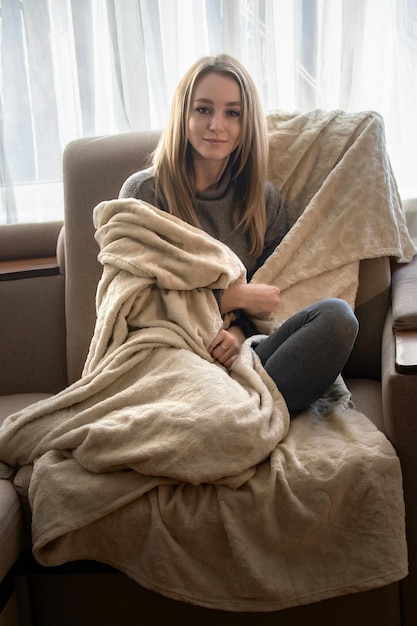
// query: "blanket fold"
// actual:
[[189, 477], [335, 176]]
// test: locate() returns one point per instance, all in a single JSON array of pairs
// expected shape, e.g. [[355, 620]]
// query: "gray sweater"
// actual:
[[214, 209]]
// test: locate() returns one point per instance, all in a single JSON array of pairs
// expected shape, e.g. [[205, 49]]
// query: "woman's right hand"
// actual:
[[256, 299]]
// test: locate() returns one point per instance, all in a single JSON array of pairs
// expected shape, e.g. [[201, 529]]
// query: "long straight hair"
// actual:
[[174, 174]]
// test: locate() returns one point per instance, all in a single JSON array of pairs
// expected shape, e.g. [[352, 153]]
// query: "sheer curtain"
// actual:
[[73, 68]]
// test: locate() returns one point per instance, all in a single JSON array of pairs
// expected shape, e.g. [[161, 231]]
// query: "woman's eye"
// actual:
[[233, 113], [203, 110]]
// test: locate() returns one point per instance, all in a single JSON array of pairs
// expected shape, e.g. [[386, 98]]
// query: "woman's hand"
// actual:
[[258, 300], [226, 345]]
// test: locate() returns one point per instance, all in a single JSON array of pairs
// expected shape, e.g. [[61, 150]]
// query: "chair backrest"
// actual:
[[94, 170], [371, 308]]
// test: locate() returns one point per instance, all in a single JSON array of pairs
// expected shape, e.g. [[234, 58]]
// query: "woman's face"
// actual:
[[214, 118]]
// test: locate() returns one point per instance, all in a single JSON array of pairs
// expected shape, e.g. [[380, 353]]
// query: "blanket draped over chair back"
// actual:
[[191, 478]]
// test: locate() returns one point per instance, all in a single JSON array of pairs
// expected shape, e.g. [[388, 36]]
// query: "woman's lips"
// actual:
[[216, 142]]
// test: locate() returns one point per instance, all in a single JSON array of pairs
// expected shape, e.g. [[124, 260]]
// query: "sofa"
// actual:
[[49, 279], [33, 348]]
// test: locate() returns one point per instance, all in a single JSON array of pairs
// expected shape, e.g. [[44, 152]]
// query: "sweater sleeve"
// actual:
[[140, 186]]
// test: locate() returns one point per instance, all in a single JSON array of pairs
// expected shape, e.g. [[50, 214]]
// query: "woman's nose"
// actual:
[[216, 121]]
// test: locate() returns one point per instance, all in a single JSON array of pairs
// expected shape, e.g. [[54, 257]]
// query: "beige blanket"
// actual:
[[334, 173], [188, 477]]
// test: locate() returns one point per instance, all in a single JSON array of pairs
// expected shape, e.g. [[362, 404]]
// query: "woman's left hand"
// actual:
[[226, 345]]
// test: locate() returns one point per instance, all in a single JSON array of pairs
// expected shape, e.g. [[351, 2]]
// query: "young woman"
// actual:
[[210, 170]]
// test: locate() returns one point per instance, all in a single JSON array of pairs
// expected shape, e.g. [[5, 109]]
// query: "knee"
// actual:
[[341, 318]]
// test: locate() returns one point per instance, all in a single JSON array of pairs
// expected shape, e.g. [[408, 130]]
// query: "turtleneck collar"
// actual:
[[217, 190]]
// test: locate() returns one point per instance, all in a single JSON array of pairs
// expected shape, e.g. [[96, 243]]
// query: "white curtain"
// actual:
[[73, 68]]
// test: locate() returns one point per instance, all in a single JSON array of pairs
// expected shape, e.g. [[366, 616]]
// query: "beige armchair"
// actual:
[[381, 374]]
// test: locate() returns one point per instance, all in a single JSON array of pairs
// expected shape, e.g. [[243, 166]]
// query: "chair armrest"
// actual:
[[406, 351], [29, 241], [404, 295], [404, 316], [28, 268], [399, 398]]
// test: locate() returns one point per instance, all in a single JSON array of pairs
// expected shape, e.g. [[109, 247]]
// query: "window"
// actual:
[[73, 68]]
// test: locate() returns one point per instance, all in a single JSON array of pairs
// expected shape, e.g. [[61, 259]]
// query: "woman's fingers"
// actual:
[[225, 347]]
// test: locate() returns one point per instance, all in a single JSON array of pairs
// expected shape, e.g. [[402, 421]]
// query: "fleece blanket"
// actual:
[[334, 173], [189, 477]]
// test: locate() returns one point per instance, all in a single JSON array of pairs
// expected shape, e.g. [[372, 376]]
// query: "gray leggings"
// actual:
[[307, 353]]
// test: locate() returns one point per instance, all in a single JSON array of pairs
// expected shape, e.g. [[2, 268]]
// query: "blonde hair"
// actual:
[[174, 175]]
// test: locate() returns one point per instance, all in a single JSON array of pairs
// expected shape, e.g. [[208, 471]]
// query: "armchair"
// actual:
[[33, 366], [380, 375]]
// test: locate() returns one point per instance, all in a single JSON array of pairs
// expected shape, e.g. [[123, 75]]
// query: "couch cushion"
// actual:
[[12, 535], [371, 308], [11, 527], [367, 398], [15, 402]]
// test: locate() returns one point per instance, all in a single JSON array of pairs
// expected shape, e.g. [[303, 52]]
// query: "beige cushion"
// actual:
[[11, 527], [367, 398], [371, 308], [12, 536], [15, 402]]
